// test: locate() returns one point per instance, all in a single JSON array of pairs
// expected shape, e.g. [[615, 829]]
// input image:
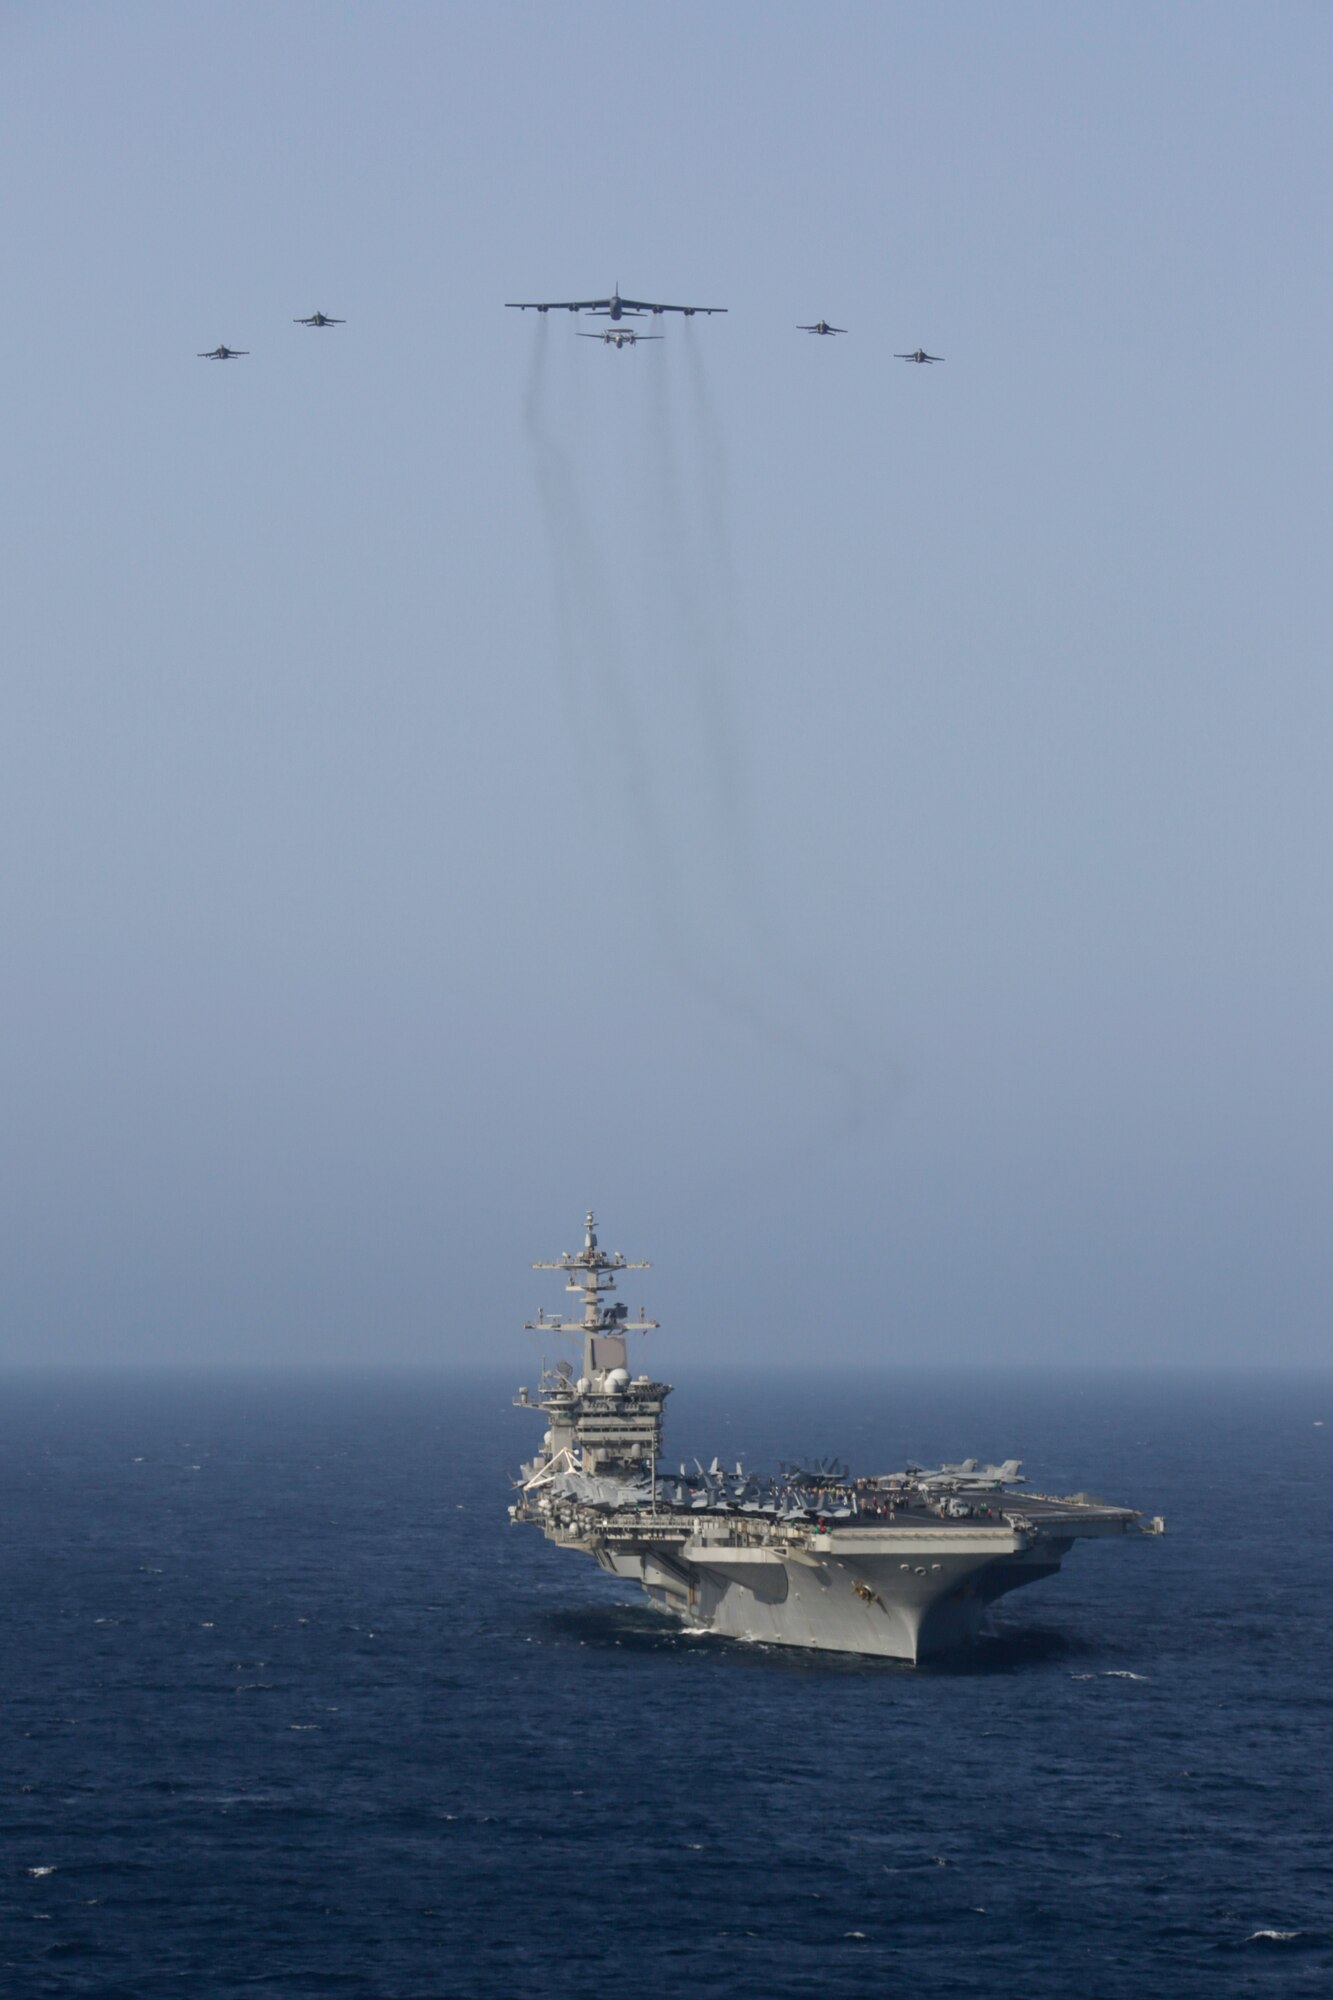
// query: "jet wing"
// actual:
[[558, 305], [654, 306]]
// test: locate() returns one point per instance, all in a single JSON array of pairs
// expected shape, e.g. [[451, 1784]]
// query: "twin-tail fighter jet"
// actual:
[[613, 308], [919, 355], [224, 354], [621, 336], [821, 326], [319, 319]]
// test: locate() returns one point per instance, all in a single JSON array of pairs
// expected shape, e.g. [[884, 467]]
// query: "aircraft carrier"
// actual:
[[900, 1564]]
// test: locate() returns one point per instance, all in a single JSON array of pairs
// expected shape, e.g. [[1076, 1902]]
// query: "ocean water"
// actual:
[[291, 1708]]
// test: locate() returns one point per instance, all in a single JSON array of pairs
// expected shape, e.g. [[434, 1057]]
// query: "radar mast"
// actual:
[[601, 1421]]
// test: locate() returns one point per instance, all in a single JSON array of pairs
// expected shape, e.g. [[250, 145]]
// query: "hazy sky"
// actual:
[[864, 828]]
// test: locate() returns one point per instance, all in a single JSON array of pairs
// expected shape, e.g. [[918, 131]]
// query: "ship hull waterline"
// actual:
[[888, 1604]]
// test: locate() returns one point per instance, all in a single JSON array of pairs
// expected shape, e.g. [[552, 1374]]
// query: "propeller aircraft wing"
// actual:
[[616, 337]]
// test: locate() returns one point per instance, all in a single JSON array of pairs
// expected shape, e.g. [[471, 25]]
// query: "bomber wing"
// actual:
[[559, 305], [654, 306]]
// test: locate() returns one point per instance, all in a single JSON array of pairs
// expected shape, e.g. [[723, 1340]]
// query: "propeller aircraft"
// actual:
[[621, 336]]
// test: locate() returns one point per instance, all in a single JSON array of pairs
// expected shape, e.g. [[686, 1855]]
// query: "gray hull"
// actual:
[[901, 1595]]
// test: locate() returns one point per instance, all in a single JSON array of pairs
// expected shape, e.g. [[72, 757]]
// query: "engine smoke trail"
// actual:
[[818, 1012], [587, 629], [588, 647], [713, 925], [703, 611]]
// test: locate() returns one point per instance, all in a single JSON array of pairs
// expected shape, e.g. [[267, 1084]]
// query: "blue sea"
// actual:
[[291, 1708]]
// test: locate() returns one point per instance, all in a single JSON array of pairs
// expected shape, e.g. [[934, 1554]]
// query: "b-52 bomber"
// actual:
[[224, 354], [919, 355], [319, 319], [613, 308], [821, 326], [621, 336]]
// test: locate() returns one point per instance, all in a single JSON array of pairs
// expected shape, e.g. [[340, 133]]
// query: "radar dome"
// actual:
[[617, 1380]]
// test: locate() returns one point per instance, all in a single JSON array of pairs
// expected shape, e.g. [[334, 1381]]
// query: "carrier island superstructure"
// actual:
[[901, 1564]]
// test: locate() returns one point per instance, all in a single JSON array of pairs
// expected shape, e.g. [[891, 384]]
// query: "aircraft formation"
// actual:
[[225, 353], [615, 308]]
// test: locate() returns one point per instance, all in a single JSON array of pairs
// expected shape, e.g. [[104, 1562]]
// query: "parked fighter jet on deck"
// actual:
[[224, 354], [919, 355], [821, 326], [319, 319], [621, 336], [613, 308]]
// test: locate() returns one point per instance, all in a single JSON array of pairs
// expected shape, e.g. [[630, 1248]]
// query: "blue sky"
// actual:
[[864, 828]]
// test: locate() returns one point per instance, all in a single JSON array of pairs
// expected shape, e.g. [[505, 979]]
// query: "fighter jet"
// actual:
[[613, 308], [620, 336], [919, 355], [821, 326], [319, 319], [224, 354]]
